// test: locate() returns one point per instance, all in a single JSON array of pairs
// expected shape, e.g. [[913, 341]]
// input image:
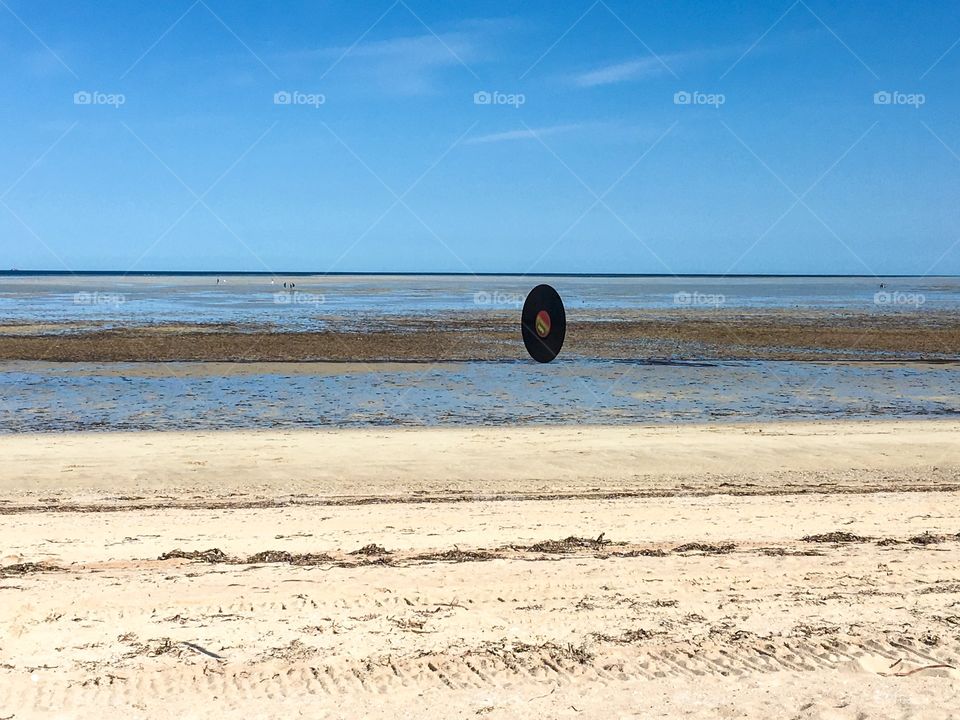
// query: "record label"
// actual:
[[543, 323]]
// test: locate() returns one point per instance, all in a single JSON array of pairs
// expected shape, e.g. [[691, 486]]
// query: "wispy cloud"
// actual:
[[641, 68], [410, 64], [525, 133], [620, 72], [424, 50]]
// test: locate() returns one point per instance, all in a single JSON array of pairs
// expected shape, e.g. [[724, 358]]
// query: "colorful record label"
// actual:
[[543, 323]]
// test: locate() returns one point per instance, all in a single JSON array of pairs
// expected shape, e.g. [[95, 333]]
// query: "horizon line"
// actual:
[[383, 273]]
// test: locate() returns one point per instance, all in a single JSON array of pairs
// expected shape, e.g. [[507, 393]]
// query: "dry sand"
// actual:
[[489, 591]]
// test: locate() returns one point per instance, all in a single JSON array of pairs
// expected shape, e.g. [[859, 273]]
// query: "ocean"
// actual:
[[317, 301]]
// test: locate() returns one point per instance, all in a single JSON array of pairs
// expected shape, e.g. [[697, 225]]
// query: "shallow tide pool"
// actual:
[[36, 396]]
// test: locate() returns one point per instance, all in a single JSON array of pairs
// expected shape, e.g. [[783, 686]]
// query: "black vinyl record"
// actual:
[[543, 323]]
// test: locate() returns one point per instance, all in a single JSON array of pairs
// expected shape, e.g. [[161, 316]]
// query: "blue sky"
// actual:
[[587, 159]]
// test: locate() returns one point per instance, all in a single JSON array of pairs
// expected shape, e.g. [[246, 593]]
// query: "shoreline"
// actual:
[[826, 426]]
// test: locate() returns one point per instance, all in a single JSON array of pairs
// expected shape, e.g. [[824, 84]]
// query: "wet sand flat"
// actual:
[[777, 570], [680, 334]]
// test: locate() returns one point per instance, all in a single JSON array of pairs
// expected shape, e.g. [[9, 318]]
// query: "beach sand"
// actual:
[[778, 570]]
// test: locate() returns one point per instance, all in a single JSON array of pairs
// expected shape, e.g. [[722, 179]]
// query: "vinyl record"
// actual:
[[543, 323]]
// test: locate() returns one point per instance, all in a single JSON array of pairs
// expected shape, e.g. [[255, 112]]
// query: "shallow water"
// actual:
[[205, 396], [320, 300]]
